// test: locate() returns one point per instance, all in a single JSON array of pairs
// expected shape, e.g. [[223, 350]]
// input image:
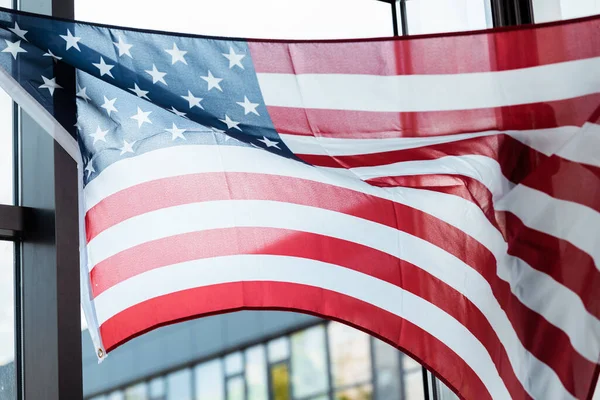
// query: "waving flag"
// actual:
[[440, 192]]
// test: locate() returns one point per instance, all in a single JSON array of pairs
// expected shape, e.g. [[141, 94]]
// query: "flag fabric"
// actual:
[[439, 192]]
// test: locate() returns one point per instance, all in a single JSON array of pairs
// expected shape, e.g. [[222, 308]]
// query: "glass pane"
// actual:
[[279, 349], [101, 397], [179, 385], [444, 392], [364, 392], [316, 19], [413, 386], [157, 389], [350, 355], [553, 10], [280, 381], [234, 364], [116, 395], [432, 16], [137, 392], [7, 322], [256, 373], [209, 381], [235, 388], [387, 370], [309, 364]]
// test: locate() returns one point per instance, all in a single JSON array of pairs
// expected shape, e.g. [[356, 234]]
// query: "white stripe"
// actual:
[[205, 272], [584, 146], [484, 169], [573, 222], [407, 93], [257, 213], [536, 291], [546, 141], [39, 114]]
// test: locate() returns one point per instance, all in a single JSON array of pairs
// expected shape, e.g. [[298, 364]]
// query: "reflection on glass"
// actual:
[[234, 364], [235, 388], [179, 385], [364, 392], [256, 373], [387, 367], [209, 381], [350, 355], [137, 392], [309, 364], [157, 389], [279, 349], [7, 324], [280, 381], [433, 16]]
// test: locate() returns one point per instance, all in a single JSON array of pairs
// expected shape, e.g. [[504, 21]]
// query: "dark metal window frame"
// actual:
[[44, 226]]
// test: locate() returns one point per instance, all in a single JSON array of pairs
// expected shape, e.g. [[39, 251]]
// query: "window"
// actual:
[[432, 16], [279, 349], [179, 385], [209, 381], [137, 392], [387, 371], [309, 362], [350, 355], [306, 19], [7, 322], [413, 378], [553, 10], [235, 388], [280, 381], [256, 373], [234, 364], [156, 389]]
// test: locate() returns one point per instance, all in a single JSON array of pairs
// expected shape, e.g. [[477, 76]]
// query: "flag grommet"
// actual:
[[100, 353]]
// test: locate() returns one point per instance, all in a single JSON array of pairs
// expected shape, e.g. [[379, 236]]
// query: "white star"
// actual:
[[157, 76], [142, 117], [123, 47], [109, 105], [81, 93], [14, 48], [248, 106], [71, 40], [104, 68], [176, 54], [212, 81], [50, 84], [193, 100], [54, 56], [176, 132], [89, 168], [269, 143], [19, 32], [234, 59], [99, 135], [177, 112], [230, 123], [127, 147], [139, 92]]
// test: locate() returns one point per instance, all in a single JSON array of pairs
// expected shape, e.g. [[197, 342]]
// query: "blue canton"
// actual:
[[140, 91]]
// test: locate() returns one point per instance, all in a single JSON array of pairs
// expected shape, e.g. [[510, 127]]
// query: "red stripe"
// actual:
[[191, 188], [216, 299], [548, 254], [516, 159], [368, 124], [568, 180], [464, 53]]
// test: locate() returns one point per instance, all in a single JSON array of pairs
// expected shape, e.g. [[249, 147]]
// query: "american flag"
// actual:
[[439, 192]]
